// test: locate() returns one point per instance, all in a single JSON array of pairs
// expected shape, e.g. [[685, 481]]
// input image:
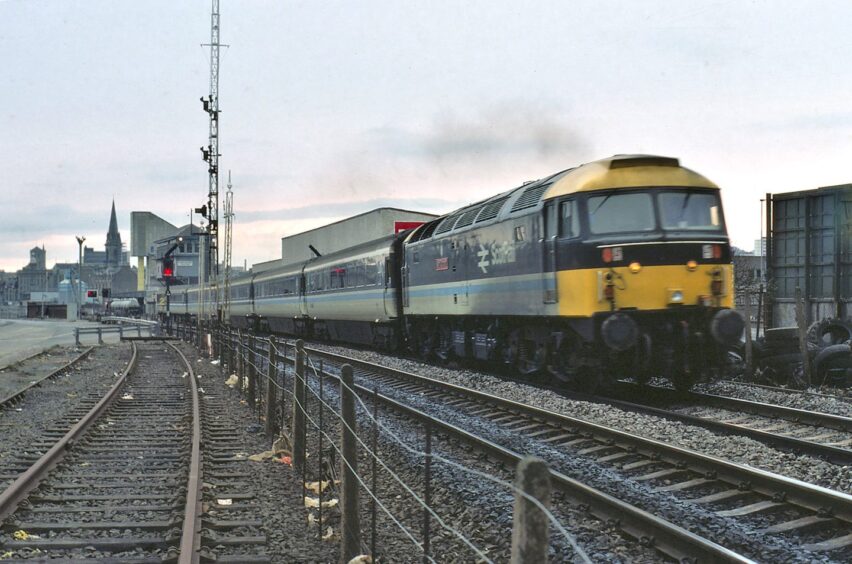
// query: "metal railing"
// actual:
[[128, 326]]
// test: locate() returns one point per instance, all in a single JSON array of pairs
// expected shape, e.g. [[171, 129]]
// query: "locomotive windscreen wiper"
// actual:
[[609, 194]]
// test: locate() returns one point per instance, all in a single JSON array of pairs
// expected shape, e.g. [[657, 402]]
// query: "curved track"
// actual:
[[124, 481], [15, 393]]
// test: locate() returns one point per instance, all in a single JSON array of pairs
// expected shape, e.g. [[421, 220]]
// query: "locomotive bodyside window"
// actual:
[[569, 219]]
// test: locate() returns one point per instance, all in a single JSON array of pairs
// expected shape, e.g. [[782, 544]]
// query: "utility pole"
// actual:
[[229, 228], [211, 155], [78, 298]]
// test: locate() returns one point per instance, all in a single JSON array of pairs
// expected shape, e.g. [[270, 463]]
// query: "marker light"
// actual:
[[635, 267], [691, 265], [676, 297]]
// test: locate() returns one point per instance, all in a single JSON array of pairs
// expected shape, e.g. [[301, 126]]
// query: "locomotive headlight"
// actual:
[[635, 267], [675, 296], [691, 265]]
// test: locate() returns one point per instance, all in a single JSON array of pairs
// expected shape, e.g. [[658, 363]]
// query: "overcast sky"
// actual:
[[334, 108]]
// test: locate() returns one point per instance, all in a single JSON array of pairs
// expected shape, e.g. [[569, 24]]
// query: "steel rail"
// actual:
[[30, 478], [814, 498], [796, 415], [19, 393], [650, 530], [190, 542], [836, 397], [835, 454]]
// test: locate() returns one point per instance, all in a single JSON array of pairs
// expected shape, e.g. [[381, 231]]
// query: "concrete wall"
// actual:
[[145, 228]]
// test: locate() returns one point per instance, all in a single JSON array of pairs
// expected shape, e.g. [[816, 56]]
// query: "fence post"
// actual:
[[139, 330], [232, 359], [241, 364], [803, 340], [427, 496], [100, 336], [271, 401], [748, 346], [530, 534], [319, 446], [298, 407], [350, 536], [253, 371], [77, 336], [120, 332]]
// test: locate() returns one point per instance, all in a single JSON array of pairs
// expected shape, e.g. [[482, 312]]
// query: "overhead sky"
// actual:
[[336, 107]]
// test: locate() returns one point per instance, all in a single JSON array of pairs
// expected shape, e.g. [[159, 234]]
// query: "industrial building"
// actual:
[[348, 232], [809, 247]]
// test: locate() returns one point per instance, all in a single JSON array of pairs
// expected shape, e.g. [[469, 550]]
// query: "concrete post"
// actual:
[[77, 336], [120, 332], [530, 527], [100, 336], [271, 391], [350, 535], [299, 408], [139, 330]]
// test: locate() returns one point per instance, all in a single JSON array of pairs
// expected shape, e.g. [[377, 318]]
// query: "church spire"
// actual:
[[113, 241], [113, 224]]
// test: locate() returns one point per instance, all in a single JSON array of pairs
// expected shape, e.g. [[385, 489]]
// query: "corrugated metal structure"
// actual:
[[809, 246], [348, 232]]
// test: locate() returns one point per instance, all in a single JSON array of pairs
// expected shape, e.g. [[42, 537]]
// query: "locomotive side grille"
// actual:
[[530, 197]]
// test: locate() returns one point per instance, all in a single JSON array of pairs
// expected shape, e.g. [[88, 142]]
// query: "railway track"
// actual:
[[802, 515], [14, 387], [125, 481], [811, 432]]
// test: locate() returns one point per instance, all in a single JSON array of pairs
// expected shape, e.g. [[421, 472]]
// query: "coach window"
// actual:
[[569, 219]]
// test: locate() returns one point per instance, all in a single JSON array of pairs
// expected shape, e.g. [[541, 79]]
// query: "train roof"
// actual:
[[626, 171], [618, 171]]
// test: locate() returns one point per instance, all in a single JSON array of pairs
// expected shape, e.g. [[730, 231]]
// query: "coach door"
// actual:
[[548, 270], [303, 293]]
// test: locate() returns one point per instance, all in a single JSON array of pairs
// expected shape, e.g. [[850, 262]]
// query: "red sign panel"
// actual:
[[442, 263], [399, 226]]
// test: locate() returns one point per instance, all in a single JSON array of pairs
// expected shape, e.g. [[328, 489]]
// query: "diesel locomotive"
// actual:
[[618, 267]]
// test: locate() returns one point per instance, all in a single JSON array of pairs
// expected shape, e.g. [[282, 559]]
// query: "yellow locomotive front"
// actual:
[[640, 262]]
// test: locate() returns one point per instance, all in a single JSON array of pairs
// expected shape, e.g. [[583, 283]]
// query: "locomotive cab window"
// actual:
[[690, 210], [621, 212], [569, 219]]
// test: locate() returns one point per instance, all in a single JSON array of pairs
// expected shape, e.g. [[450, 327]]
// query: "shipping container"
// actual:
[[809, 246]]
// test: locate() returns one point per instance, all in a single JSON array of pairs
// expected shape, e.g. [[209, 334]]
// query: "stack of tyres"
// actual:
[[779, 356], [833, 362]]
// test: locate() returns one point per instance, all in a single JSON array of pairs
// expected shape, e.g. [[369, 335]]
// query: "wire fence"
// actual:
[[276, 379]]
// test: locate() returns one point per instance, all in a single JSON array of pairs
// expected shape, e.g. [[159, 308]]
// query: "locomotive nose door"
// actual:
[[548, 255]]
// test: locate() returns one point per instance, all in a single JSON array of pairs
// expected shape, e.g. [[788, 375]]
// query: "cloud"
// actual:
[[510, 129]]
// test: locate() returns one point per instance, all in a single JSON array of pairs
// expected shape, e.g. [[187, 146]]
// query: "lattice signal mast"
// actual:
[[229, 228], [211, 155]]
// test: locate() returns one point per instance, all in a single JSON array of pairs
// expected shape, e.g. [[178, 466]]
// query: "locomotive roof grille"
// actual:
[[491, 209], [530, 197], [447, 224], [468, 216]]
